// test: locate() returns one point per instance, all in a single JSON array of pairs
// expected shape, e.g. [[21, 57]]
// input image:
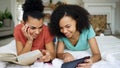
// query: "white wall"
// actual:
[[11, 5], [104, 1], [13, 10], [117, 18], [5, 4]]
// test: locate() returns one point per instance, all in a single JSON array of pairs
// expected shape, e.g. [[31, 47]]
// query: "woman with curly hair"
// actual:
[[32, 34], [70, 23]]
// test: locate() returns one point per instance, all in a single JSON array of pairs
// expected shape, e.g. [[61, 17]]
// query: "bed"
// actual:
[[109, 47]]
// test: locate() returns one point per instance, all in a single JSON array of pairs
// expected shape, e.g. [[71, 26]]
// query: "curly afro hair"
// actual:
[[31, 5], [33, 8], [79, 14]]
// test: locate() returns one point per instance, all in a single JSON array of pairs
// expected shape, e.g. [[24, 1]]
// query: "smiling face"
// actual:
[[68, 26], [35, 26]]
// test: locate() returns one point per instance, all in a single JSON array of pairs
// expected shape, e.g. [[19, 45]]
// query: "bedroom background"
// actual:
[[104, 17]]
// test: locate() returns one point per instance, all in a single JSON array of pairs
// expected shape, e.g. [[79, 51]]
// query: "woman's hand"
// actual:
[[26, 31], [46, 56], [87, 64], [67, 57]]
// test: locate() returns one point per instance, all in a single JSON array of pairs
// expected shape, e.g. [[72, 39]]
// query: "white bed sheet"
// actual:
[[109, 48]]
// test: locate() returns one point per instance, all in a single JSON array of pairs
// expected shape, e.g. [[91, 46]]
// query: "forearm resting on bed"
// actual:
[[60, 55], [96, 57]]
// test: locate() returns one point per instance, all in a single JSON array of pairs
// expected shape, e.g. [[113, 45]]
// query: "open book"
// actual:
[[23, 59]]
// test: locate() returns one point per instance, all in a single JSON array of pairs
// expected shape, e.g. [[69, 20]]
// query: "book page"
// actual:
[[29, 58], [8, 57]]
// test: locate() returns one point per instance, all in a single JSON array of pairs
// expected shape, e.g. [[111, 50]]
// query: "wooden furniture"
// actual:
[[108, 30]]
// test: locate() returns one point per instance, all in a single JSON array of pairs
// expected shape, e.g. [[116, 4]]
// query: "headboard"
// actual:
[[99, 23]]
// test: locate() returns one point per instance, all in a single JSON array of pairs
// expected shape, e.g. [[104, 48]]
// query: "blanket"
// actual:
[[109, 47]]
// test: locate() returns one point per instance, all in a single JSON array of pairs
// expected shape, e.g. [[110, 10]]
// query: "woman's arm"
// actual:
[[60, 50], [27, 47], [66, 57], [48, 54], [96, 56], [51, 48], [23, 49]]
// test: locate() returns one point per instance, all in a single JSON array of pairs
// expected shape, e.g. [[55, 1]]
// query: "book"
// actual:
[[23, 59], [73, 64]]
